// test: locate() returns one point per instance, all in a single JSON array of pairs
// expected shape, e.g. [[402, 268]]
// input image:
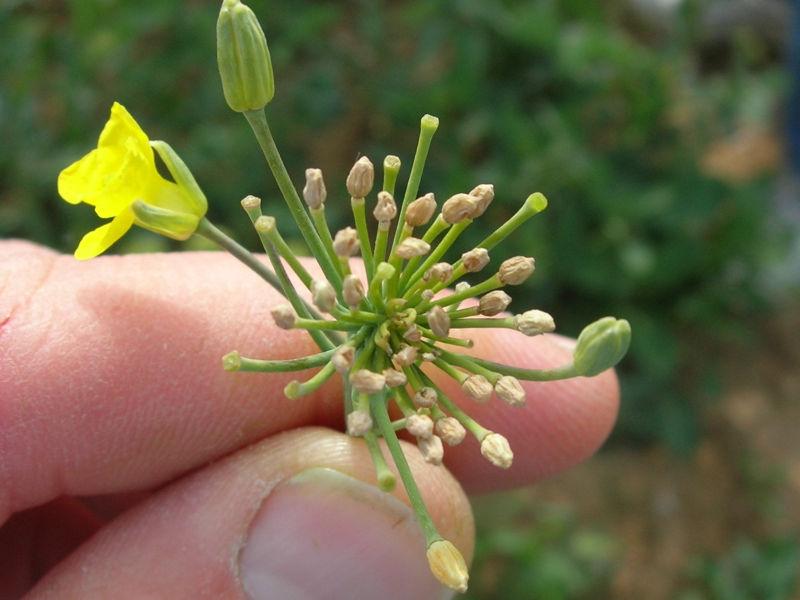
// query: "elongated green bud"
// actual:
[[243, 58], [166, 222], [601, 345]]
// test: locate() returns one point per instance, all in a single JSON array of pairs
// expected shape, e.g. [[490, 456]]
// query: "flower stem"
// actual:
[[360, 218], [386, 479], [321, 225], [564, 372], [235, 362]]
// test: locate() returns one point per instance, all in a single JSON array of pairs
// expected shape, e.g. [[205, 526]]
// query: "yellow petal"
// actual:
[[99, 240], [122, 130]]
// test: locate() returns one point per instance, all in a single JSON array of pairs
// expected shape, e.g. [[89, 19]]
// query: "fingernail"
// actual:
[[323, 534]]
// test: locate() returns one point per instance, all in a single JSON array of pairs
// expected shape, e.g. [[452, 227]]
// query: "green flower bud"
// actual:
[[601, 345], [243, 57], [166, 222]]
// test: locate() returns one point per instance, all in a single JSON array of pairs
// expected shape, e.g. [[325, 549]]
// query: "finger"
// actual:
[[113, 382], [271, 521]]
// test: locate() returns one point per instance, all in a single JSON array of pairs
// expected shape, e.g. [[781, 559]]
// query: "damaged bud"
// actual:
[[425, 397], [359, 422], [323, 295], [439, 321], [420, 426], [516, 270], [385, 209], [458, 207], [420, 211], [431, 449], [345, 242], [478, 388], [412, 247], [367, 381], [394, 378], [343, 358], [484, 193], [352, 291], [361, 177], [475, 260], [534, 322], [450, 430], [493, 303], [510, 390], [284, 316], [314, 192], [496, 450]]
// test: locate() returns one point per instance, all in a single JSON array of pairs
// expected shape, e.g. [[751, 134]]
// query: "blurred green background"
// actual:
[[655, 128]]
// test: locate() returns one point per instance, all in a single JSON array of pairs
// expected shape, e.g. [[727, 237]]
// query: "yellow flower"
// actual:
[[119, 178]]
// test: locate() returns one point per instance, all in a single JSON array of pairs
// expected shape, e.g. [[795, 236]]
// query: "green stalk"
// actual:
[[386, 479], [451, 407], [295, 389], [323, 324], [483, 323], [321, 225], [564, 372], [487, 285], [360, 218], [436, 254], [233, 361]]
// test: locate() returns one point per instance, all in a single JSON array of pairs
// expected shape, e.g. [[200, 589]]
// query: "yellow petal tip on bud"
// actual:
[[447, 565]]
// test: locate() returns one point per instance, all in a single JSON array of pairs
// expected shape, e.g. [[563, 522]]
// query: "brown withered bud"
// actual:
[[427, 295], [420, 426], [440, 272], [439, 321], [516, 270], [510, 390], [352, 291], [359, 422], [343, 358], [420, 211], [425, 397], [478, 388], [367, 381], [458, 207], [394, 378], [431, 449], [323, 295], [534, 322], [475, 260], [405, 357], [385, 209], [485, 194], [314, 192], [412, 334], [361, 178], [493, 303], [412, 247], [450, 430], [496, 449], [284, 316], [345, 242]]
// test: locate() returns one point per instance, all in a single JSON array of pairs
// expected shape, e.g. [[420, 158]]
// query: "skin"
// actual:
[[115, 415]]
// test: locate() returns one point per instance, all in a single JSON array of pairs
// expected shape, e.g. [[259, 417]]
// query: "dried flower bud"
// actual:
[[361, 177], [352, 291], [534, 322], [345, 242], [420, 211], [601, 345], [420, 426], [251, 202], [485, 194], [385, 209], [516, 270], [343, 358], [405, 357], [493, 303], [478, 388], [394, 378], [323, 295], [458, 207], [447, 565], [314, 192], [412, 334], [425, 397], [450, 430], [367, 381], [412, 247], [440, 272], [510, 390], [427, 295], [475, 260], [439, 321], [359, 422], [431, 449], [284, 316], [496, 450]]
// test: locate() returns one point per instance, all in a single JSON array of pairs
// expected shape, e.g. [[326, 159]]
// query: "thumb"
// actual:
[[295, 516]]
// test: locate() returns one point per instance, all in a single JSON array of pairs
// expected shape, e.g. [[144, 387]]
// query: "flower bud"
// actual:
[[425, 397], [166, 222], [475, 260], [243, 58], [359, 422], [352, 291], [361, 177], [345, 242], [343, 358], [440, 272], [394, 378], [439, 321], [412, 247], [367, 381], [484, 194], [420, 211], [323, 295], [264, 224], [450, 430], [427, 295], [601, 345], [458, 207], [478, 388], [314, 193], [284, 316], [510, 390], [405, 357], [493, 303], [431, 449], [385, 209], [534, 322], [420, 426], [447, 565], [516, 270], [250, 203], [496, 450], [412, 334]]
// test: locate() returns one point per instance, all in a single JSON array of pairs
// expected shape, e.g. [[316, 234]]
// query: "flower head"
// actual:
[[119, 178]]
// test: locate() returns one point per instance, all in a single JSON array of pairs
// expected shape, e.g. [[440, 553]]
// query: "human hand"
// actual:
[[133, 466]]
